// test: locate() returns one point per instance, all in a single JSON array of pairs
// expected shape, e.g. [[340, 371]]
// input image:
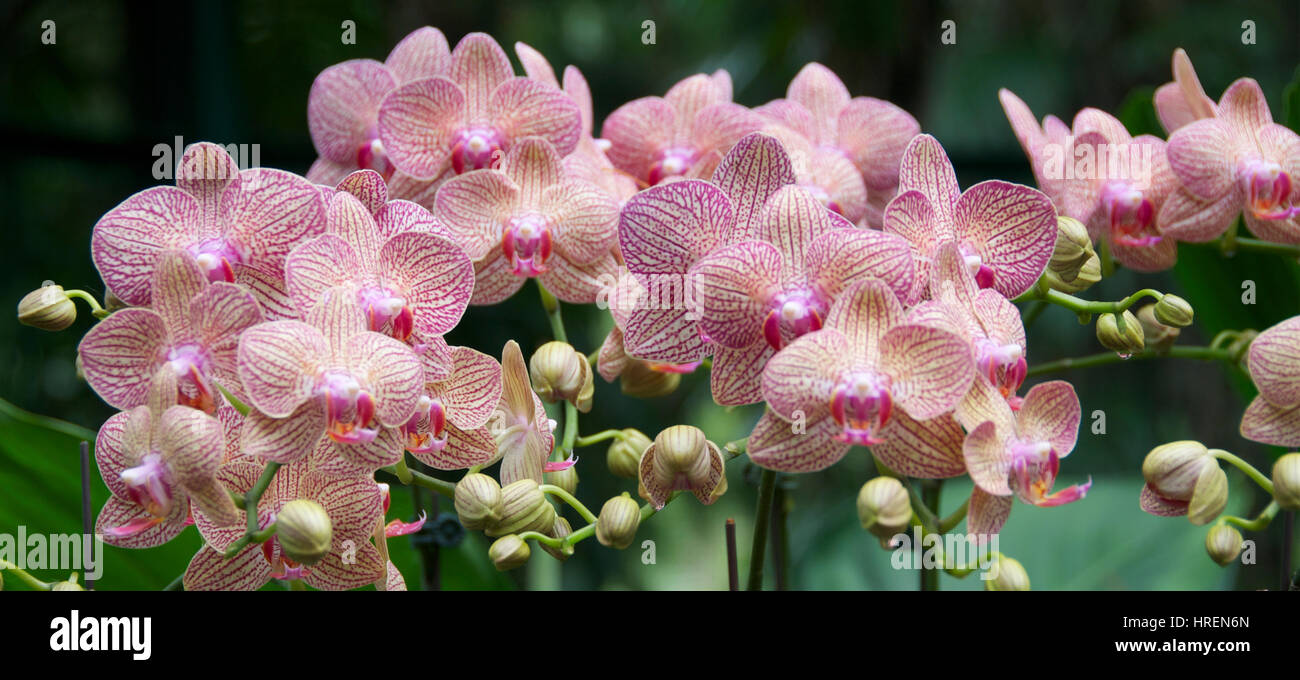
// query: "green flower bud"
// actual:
[[1009, 574], [1173, 469], [561, 530], [1156, 335], [1087, 275], [566, 479], [1126, 340], [1172, 310], [1073, 249], [1286, 481], [509, 552], [624, 456], [681, 457], [641, 381], [47, 308], [884, 508], [1210, 495], [618, 521], [478, 501], [523, 508], [561, 373], [304, 531], [1223, 543]]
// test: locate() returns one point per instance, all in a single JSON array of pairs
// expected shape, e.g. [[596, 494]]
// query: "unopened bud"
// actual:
[[618, 521], [523, 508], [1223, 543], [561, 373], [1073, 249], [566, 479], [478, 501], [561, 530], [681, 457], [1009, 574], [1124, 341], [47, 308], [1155, 334], [1286, 481], [884, 508], [304, 531], [509, 552], [624, 456], [641, 381], [1088, 274], [1173, 469], [1172, 310], [1210, 496]]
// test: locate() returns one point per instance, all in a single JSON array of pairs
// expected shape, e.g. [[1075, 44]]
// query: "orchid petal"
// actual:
[[801, 378], [986, 459], [435, 276], [926, 449], [479, 66], [1051, 413], [875, 134], [734, 285], [1184, 217], [842, 257], [120, 354], [637, 132], [736, 375], [137, 528], [210, 570], [416, 122], [1014, 229], [1275, 363], [665, 229], [343, 104], [278, 365], [272, 212], [925, 168], [474, 206], [472, 390], [283, 440], [777, 444], [586, 217], [1203, 156], [668, 334], [931, 369], [527, 108], [820, 91], [1153, 503], [755, 168], [1263, 422], [579, 284], [423, 53], [391, 371], [987, 513], [126, 240]]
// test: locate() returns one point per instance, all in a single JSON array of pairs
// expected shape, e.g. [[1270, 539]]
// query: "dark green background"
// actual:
[[80, 119]]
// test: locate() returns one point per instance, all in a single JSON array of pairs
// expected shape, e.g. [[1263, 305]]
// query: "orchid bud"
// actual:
[[1210, 495], [1073, 249], [566, 479], [1125, 341], [509, 552], [561, 530], [523, 508], [1286, 481], [1173, 469], [66, 586], [641, 381], [618, 521], [561, 373], [304, 531], [1009, 575], [624, 456], [1223, 543], [1155, 334], [478, 501], [1172, 310], [884, 508], [681, 457], [47, 308], [1088, 274]]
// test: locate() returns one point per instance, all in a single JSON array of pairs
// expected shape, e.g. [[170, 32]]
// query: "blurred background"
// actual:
[[80, 119]]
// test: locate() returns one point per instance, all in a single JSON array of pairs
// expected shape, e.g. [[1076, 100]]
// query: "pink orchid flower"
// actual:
[[685, 133], [353, 505], [530, 218], [404, 276], [343, 112], [854, 145], [191, 334], [1238, 161], [1121, 190], [1004, 231], [866, 378], [613, 360], [663, 231], [236, 224], [519, 424], [988, 322], [449, 428], [758, 295], [1273, 417], [155, 462], [1182, 101], [1018, 453], [466, 119], [329, 383]]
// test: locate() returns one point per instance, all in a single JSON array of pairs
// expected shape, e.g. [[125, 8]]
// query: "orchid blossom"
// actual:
[[866, 378], [1005, 232], [464, 120], [449, 428], [1273, 417], [530, 219], [519, 424], [190, 333]]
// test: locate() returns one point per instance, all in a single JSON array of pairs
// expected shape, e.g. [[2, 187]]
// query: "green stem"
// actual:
[[951, 521], [418, 478], [1258, 477], [95, 308], [402, 471], [177, 583], [31, 581], [35, 419], [762, 520], [930, 492], [552, 308], [1084, 307], [239, 405], [297, 584], [568, 498], [604, 435], [1103, 358], [252, 533], [1107, 260], [1251, 245], [556, 543], [570, 432], [1258, 524]]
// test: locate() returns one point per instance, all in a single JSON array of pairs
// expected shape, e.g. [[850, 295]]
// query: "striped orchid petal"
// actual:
[[755, 168], [474, 207], [927, 449], [363, 567], [735, 285], [390, 371], [986, 513], [842, 257], [664, 230], [801, 378], [1051, 413], [239, 477], [533, 164], [473, 388], [863, 314], [338, 320], [367, 186], [394, 581], [354, 504], [579, 284], [1013, 228], [399, 216], [416, 122], [127, 239], [193, 445], [120, 354], [1274, 362], [693, 94], [210, 570], [125, 524], [824, 95], [1244, 107], [792, 220], [535, 64], [1153, 503], [1269, 424], [423, 53], [283, 440], [1185, 217], [278, 364], [343, 105], [874, 133], [113, 450], [669, 335], [735, 378], [272, 212], [925, 168], [479, 66], [1202, 154], [522, 107], [984, 403], [464, 449], [208, 173], [911, 217], [362, 458], [434, 275], [778, 444], [494, 281], [986, 459], [587, 219], [931, 369], [1183, 101], [177, 279], [715, 130], [637, 131]]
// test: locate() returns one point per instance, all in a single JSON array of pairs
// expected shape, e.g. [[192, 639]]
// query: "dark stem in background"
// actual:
[[86, 526], [1288, 534], [430, 562], [1035, 310], [733, 568], [930, 495], [763, 514], [780, 551]]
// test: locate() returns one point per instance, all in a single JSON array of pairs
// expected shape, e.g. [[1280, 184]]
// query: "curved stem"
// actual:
[[556, 543], [418, 478], [1260, 522], [1103, 358], [552, 308], [951, 521], [570, 432], [1257, 476], [177, 583], [1251, 245], [762, 518], [35, 419], [31, 581], [568, 498], [1081, 306], [95, 308], [253, 533], [603, 435]]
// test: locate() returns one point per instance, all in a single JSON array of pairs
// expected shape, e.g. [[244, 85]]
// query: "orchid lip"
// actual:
[[147, 484], [793, 313], [372, 156], [476, 148], [1003, 365], [214, 258], [984, 274], [526, 244], [426, 431], [386, 310], [1268, 190], [672, 163], [861, 406], [1131, 216], [349, 409]]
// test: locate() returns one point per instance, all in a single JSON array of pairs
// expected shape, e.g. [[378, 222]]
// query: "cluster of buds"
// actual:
[[1184, 478]]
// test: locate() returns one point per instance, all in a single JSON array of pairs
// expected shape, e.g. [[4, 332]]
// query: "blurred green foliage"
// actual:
[[81, 117]]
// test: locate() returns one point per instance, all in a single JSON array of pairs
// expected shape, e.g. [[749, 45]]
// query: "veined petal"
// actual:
[[931, 369], [464, 449], [1244, 107], [928, 449], [516, 387], [1203, 154], [283, 440], [273, 211], [717, 128], [238, 477], [1091, 119], [1000, 319], [987, 513], [862, 314], [435, 276], [1184, 217], [791, 221], [279, 363], [637, 132], [523, 454], [691, 95], [586, 219], [145, 531], [210, 570], [801, 378], [1269, 424], [911, 216], [416, 122], [736, 377], [843, 257], [494, 281], [399, 216], [208, 173], [1155, 504], [613, 359], [193, 444], [533, 164], [580, 284], [1051, 413], [925, 168], [353, 222], [665, 229], [1275, 363], [363, 458], [986, 459], [575, 85], [535, 64], [391, 371], [1013, 227], [394, 581], [120, 354], [472, 390], [755, 168], [423, 53], [343, 104], [218, 316], [363, 567], [317, 266], [479, 66], [474, 208], [734, 285], [874, 134], [822, 92], [985, 403], [667, 334], [126, 240], [523, 107], [1156, 257], [268, 288], [111, 453], [354, 504], [338, 318], [778, 444], [326, 173]]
